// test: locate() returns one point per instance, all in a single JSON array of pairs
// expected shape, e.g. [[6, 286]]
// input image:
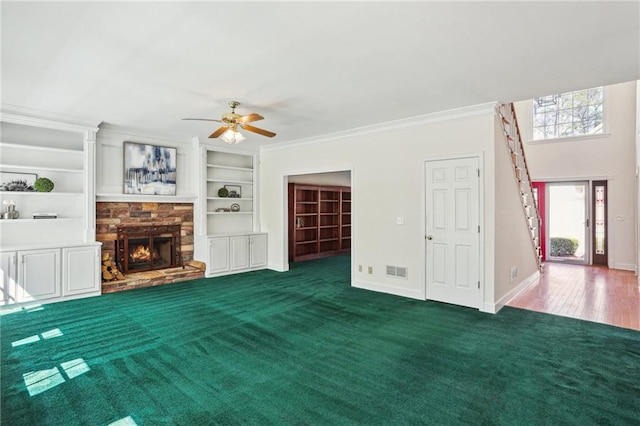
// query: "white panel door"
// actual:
[[39, 274], [80, 270], [258, 250], [239, 252], [8, 274], [452, 228], [218, 255]]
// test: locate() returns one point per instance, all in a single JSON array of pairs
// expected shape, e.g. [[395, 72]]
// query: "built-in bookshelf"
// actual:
[[319, 221], [228, 233], [56, 257], [229, 193]]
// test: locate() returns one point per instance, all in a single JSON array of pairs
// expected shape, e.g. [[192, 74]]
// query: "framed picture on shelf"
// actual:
[[235, 191], [149, 169], [10, 181]]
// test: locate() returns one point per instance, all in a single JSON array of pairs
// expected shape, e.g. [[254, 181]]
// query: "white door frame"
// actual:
[[481, 238]]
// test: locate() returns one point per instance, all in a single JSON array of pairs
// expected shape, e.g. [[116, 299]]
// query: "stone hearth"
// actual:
[[110, 215]]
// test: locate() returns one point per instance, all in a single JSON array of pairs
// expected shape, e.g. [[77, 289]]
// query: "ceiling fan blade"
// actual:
[[258, 131], [203, 119], [218, 132], [249, 118]]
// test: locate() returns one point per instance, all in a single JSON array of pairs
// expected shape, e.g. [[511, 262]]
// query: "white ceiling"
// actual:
[[310, 68]]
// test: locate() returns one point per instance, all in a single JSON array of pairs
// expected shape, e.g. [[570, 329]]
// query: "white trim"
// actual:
[[569, 139], [230, 149], [452, 114], [128, 133], [623, 266], [501, 303], [135, 198], [25, 120], [381, 288]]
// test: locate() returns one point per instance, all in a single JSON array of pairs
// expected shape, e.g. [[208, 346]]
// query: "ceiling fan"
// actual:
[[229, 132]]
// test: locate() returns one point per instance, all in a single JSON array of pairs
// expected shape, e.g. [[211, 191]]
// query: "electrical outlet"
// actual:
[[513, 274], [359, 268], [370, 270]]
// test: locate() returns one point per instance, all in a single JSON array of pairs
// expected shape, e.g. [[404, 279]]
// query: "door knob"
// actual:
[[429, 237]]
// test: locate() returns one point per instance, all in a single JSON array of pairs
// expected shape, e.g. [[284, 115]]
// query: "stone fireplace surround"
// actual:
[[110, 215]]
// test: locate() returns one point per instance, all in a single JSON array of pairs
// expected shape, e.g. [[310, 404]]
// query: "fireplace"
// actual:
[[148, 248]]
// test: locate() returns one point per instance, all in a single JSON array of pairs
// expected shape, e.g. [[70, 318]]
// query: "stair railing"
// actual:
[[522, 176]]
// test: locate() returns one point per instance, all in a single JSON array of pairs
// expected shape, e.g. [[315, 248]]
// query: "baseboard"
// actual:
[[380, 288], [278, 267], [495, 308], [623, 266]]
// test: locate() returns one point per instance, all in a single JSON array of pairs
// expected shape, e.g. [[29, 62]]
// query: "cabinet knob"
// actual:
[[429, 237]]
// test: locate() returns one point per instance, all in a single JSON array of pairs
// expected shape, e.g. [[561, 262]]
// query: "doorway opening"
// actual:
[[319, 208]]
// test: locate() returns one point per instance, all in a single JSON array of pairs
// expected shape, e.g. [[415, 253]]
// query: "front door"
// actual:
[[568, 222], [453, 231]]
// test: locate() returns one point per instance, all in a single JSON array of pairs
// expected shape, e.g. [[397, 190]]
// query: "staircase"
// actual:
[[515, 146]]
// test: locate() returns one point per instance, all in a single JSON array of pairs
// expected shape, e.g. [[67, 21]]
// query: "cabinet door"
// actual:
[[239, 253], [38, 275], [258, 245], [8, 276], [218, 255], [80, 270]]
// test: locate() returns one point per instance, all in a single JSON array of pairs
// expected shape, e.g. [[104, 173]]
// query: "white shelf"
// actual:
[[239, 169], [135, 198], [240, 182], [39, 168], [31, 220], [230, 198], [40, 194], [229, 213], [41, 148]]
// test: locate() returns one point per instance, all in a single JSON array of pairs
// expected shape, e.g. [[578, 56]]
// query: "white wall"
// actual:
[[609, 157], [110, 171], [387, 170]]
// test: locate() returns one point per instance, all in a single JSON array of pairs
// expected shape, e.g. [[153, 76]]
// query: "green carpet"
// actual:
[[303, 347]]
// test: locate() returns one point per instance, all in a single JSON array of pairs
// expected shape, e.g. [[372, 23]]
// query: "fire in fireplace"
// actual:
[[147, 248]]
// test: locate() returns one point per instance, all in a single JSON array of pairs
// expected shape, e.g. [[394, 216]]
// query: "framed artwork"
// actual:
[[10, 181], [149, 169]]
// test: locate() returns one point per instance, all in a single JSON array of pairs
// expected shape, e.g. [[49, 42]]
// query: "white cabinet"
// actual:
[[218, 255], [8, 265], [258, 251], [237, 253], [80, 270], [38, 275], [49, 274]]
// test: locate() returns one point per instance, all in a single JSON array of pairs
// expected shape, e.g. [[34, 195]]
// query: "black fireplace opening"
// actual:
[[147, 248]]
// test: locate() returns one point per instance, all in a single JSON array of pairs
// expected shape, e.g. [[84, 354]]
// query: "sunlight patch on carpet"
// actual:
[[43, 380], [37, 338]]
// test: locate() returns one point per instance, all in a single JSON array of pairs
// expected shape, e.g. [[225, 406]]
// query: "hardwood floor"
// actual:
[[591, 293]]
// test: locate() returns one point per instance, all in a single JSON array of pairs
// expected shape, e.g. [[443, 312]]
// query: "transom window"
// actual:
[[568, 114]]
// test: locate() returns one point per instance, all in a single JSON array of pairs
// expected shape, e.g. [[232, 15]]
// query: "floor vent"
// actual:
[[397, 271]]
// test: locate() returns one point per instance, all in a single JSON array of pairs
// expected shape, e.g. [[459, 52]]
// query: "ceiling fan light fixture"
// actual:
[[231, 136]]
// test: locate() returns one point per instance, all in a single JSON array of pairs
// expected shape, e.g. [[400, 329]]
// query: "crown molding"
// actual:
[[435, 117], [55, 123]]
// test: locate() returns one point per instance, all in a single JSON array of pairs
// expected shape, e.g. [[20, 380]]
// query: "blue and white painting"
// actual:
[[149, 169]]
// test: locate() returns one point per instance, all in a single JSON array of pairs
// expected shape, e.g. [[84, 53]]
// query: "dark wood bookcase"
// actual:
[[319, 221]]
